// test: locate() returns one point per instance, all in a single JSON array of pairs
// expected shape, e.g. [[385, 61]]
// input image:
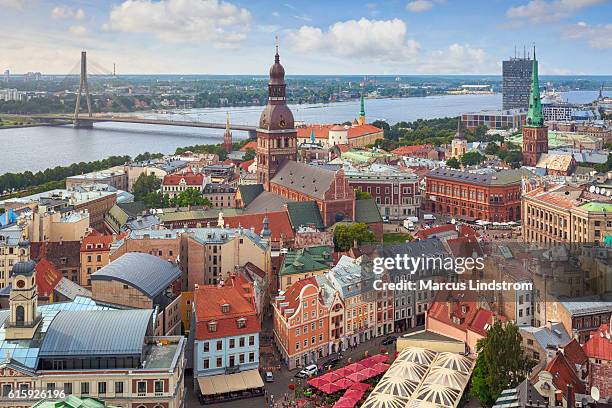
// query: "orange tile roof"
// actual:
[[245, 165], [279, 223], [464, 231], [322, 131], [599, 345], [292, 295], [249, 145], [95, 237], [362, 130], [208, 306]]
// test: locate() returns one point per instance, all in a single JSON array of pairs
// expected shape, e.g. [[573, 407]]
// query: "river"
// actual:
[[38, 148]]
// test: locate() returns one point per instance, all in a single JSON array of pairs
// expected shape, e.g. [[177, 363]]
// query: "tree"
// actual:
[[501, 363], [472, 158], [492, 148], [346, 234], [190, 196], [144, 185], [453, 163], [249, 154], [362, 195], [146, 156]]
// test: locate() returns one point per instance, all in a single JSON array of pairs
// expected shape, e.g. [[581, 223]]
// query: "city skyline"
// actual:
[[343, 38]]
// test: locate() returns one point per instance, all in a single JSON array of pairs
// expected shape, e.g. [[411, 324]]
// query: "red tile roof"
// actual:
[[574, 353], [191, 178], [322, 131], [95, 238], [362, 130], [292, 295], [343, 148], [250, 145], [279, 223], [600, 343], [208, 307], [464, 315], [464, 231], [245, 164], [564, 373], [408, 150], [47, 277]]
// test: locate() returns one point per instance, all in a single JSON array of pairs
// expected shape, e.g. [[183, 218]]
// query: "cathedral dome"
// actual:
[[277, 72], [276, 117]]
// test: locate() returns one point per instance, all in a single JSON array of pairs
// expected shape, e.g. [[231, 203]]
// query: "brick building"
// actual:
[[175, 184], [598, 349], [95, 253], [301, 324], [471, 196]]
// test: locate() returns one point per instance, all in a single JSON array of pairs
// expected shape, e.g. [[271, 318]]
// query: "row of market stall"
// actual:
[[218, 388], [350, 378]]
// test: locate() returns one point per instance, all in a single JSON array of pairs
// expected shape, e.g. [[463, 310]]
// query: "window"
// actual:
[[206, 347], [252, 356], [6, 389], [232, 343], [241, 342], [313, 340], [118, 387], [241, 323], [297, 345], [142, 387], [219, 362], [251, 340], [206, 364], [159, 386], [67, 388], [297, 331], [212, 327], [241, 359], [102, 387], [84, 388], [219, 345], [50, 386]]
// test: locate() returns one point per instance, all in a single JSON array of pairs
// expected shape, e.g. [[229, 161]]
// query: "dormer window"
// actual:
[[212, 327], [241, 323], [225, 308]]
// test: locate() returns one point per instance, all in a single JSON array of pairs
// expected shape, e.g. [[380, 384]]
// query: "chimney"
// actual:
[[570, 396]]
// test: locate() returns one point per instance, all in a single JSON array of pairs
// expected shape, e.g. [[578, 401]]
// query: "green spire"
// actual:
[[534, 115], [312, 135], [362, 111]]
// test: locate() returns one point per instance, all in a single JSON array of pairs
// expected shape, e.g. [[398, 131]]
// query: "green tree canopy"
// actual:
[[190, 196], [346, 234], [501, 363], [249, 154], [472, 158], [145, 184], [362, 195], [453, 163]]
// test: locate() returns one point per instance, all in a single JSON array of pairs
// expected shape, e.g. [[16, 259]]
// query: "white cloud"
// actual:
[[357, 38], [457, 59], [538, 11], [596, 36], [175, 21], [14, 4], [65, 12], [419, 5], [77, 30]]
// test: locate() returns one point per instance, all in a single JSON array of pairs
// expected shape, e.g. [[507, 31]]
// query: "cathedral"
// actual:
[[278, 169], [535, 133]]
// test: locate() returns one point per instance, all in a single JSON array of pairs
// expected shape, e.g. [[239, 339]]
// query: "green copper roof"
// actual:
[[596, 207], [304, 213], [534, 115], [362, 111], [306, 260], [72, 402], [367, 211]]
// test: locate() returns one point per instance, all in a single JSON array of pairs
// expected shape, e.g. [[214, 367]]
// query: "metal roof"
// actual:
[[99, 333], [145, 272]]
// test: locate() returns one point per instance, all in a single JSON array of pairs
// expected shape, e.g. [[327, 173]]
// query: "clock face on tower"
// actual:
[[281, 122], [20, 283]]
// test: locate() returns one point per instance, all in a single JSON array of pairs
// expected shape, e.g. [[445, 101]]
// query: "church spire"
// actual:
[[534, 115], [227, 136], [459, 134], [362, 117]]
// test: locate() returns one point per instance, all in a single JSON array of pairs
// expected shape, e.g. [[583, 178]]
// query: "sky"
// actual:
[[404, 37]]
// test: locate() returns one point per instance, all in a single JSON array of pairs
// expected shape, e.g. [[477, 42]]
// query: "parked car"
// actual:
[[308, 371], [332, 361], [269, 376], [388, 340]]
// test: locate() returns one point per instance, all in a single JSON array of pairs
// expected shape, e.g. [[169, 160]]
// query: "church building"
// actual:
[[535, 133]]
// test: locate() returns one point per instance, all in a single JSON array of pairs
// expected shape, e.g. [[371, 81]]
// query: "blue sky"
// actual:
[[316, 37]]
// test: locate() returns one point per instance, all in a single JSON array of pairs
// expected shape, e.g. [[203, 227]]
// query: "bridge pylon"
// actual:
[[83, 87]]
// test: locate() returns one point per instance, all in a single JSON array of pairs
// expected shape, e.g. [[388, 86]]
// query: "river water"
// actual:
[[38, 148]]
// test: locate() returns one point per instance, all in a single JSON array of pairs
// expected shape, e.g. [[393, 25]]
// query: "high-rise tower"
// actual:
[[516, 80], [227, 136], [535, 133], [276, 135]]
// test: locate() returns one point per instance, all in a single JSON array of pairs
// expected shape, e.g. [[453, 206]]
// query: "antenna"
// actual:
[[524, 52], [114, 72]]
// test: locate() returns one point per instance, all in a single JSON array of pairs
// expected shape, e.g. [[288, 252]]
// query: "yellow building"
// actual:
[[13, 249]]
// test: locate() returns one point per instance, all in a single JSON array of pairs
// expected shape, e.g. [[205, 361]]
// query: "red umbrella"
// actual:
[[345, 403], [331, 376], [381, 367], [344, 383], [352, 393], [353, 368], [357, 377], [380, 358], [342, 372], [317, 382], [329, 388], [360, 386], [367, 362], [370, 372]]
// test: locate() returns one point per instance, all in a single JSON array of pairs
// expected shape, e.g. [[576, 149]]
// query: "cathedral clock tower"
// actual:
[[24, 318], [535, 134], [276, 135]]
